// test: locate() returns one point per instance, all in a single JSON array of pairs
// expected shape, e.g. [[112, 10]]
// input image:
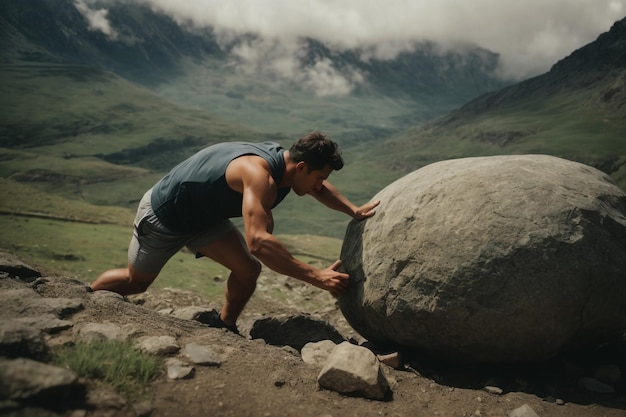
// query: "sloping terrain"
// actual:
[[259, 379], [575, 111]]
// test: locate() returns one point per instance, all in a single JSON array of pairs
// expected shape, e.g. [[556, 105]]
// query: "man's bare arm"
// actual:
[[259, 193], [330, 196]]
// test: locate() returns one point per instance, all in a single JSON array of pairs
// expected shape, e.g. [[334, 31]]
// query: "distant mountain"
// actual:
[[190, 67], [75, 121], [596, 63], [426, 71], [576, 111], [147, 50]]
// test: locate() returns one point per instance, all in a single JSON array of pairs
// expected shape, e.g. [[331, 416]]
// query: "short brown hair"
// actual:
[[317, 150]]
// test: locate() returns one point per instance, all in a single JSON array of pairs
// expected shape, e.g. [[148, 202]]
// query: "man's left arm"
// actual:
[[330, 196]]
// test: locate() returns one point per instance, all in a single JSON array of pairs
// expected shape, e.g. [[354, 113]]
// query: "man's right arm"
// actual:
[[259, 193]]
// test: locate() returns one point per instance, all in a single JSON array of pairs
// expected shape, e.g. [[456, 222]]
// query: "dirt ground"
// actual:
[[257, 379]]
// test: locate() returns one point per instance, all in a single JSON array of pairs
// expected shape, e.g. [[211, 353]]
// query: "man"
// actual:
[[191, 206]]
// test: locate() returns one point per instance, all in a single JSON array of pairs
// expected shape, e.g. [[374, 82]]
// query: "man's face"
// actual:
[[307, 181]]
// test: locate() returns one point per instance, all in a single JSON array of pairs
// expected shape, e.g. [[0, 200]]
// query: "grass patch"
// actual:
[[74, 110], [23, 199], [84, 251], [575, 124], [116, 363]]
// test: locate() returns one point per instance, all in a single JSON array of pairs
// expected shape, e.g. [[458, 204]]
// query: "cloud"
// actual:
[[530, 35], [97, 19], [283, 59]]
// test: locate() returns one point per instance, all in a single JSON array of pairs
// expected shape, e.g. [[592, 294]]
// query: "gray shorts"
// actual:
[[152, 244]]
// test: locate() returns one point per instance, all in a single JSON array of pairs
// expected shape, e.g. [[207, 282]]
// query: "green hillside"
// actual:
[[81, 111], [581, 125], [93, 136], [575, 111], [79, 146]]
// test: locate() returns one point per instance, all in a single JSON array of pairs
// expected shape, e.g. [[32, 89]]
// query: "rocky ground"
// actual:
[[255, 378]]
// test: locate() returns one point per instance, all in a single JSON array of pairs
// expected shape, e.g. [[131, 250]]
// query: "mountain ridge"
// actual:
[[148, 46], [583, 67], [575, 111], [124, 124]]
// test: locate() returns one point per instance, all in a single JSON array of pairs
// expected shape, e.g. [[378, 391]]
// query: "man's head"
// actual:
[[317, 151]]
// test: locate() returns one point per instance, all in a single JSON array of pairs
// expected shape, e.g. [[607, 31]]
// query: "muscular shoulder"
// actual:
[[248, 170]]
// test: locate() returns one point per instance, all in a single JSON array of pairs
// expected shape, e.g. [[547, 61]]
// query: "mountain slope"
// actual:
[[337, 91], [575, 111], [83, 111], [89, 135], [145, 47]]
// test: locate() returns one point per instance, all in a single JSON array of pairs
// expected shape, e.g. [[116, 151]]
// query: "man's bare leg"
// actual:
[[231, 251], [124, 281]]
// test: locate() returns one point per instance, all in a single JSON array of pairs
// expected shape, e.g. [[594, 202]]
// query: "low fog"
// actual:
[[530, 36]]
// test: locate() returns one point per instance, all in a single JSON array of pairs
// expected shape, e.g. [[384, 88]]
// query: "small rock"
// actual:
[[354, 370], [177, 369], [47, 323], [23, 379], [493, 390], [290, 350], [317, 353], [158, 345], [202, 355], [523, 411], [92, 332], [392, 359], [19, 339]]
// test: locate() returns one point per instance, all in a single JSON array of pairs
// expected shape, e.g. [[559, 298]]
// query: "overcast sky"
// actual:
[[530, 35]]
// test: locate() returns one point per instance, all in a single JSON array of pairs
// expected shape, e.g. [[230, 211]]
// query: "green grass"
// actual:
[[574, 125], [24, 199], [71, 110], [84, 251], [268, 106], [116, 363], [57, 120]]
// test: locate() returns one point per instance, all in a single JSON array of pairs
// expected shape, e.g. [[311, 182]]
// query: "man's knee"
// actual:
[[250, 271], [255, 269]]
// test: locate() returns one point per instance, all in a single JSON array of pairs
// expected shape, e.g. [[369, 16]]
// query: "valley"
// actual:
[[87, 126]]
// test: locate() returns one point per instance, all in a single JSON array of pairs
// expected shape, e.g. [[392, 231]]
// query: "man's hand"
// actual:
[[333, 281], [366, 210]]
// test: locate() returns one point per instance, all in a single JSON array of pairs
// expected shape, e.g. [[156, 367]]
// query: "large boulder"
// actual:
[[491, 259]]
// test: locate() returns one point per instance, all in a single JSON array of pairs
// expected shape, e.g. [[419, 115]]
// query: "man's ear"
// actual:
[[300, 166]]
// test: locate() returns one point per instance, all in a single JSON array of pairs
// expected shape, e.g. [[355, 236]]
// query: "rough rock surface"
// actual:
[[354, 369], [491, 259]]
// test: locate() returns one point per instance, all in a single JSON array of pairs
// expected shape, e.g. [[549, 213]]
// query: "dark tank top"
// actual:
[[194, 194]]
